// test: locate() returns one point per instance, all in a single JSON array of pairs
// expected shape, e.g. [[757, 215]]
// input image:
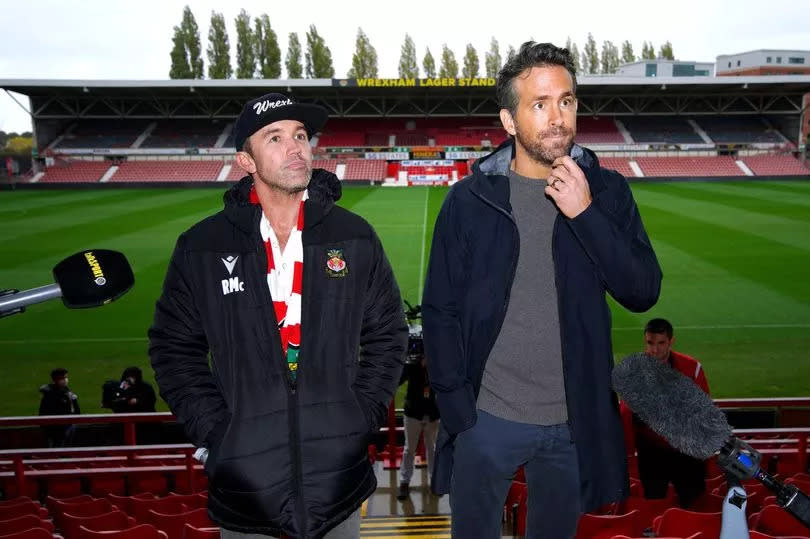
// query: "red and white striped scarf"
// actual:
[[285, 272]]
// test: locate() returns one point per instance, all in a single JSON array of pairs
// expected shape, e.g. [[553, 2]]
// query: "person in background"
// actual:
[[421, 419], [58, 399], [659, 464]]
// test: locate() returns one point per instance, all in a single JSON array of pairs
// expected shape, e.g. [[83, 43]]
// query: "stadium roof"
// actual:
[[598, 95]]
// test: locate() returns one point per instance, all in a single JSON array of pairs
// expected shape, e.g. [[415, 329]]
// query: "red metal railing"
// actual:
[[131, 452]]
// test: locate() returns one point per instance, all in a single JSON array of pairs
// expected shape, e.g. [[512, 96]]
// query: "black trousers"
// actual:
[[659, 466]]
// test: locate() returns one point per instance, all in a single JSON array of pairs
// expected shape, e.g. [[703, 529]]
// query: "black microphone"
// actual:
[[90, 278], [675, 408]]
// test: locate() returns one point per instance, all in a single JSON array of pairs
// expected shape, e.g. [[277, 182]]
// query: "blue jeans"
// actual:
[[485, 459]]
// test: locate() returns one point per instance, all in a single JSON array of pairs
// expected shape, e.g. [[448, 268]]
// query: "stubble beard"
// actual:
[[543, 153]]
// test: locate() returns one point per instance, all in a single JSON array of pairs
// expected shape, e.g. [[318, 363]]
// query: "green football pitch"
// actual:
[[735, 256]]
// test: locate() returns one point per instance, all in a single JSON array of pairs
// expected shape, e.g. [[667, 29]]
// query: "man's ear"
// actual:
[[508, 122], [246, 162]]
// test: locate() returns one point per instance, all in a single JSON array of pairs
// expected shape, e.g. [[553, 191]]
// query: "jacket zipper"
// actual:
[[511, 279], [292, 400]]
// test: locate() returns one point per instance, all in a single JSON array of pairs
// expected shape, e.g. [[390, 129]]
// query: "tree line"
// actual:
[[258, 54]]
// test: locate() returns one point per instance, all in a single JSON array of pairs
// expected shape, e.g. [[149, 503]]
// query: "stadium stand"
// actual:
[[377, 139], [411, 139], [167, 171], [236, 173], [351, 139], [326, 164], [738, 129], [365, 169], [619, 164], [775, 165], [184, 134], [102, 134], [688, 166], [76, 171], [598, 131], [661, 129]]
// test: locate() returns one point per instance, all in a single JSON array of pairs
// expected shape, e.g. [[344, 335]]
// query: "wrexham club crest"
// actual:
[[335, 263]]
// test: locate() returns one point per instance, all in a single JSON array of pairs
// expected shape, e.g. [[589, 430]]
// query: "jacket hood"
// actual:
[[324, 190]]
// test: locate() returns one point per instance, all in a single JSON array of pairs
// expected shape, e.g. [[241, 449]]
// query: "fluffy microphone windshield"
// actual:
[[672, 405]]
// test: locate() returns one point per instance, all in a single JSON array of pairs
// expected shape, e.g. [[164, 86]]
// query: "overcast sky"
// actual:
[[113, 39]]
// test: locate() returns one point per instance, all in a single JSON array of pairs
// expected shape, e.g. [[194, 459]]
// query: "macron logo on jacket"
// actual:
[[231, 284]]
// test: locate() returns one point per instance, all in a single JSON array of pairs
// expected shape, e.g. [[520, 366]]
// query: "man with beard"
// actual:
[[296, 304], [515, 315]]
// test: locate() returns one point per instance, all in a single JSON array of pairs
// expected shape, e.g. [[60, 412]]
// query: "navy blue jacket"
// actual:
[[472, 266]]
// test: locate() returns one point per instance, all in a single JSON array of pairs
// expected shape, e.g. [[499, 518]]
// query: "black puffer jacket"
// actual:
[[283, 458]]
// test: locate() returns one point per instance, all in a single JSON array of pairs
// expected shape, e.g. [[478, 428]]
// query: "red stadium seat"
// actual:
[[619, 164], [708, 503], [680, 522], [96, 506], [15, 501], [21, 509], [25, 522], [143, 531], [648, 509], [718, 481], [173, 524], [167, 171], [689, 166], [192, 501], [365, 169], [140, 508], [76, 171], [114, 520], [34, 533], [606, 526], [760, 535], [598, 131], [82, 498], [93, 508], [154, 483], [191, 532], [775, 165], [776, 521], [124, 503]]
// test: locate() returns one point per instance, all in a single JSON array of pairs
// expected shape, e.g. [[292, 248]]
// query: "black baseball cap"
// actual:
[[271, 108]]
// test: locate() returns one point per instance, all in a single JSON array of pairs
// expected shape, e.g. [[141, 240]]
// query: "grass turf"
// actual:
[[735, 258]]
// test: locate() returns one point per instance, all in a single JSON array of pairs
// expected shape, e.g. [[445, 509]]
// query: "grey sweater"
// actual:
[[523, 377]]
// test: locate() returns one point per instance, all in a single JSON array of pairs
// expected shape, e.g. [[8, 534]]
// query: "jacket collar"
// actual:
[[490, 173], [324, 190]]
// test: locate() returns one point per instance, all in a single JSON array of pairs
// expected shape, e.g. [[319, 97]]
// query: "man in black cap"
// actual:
[[293, 298]]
